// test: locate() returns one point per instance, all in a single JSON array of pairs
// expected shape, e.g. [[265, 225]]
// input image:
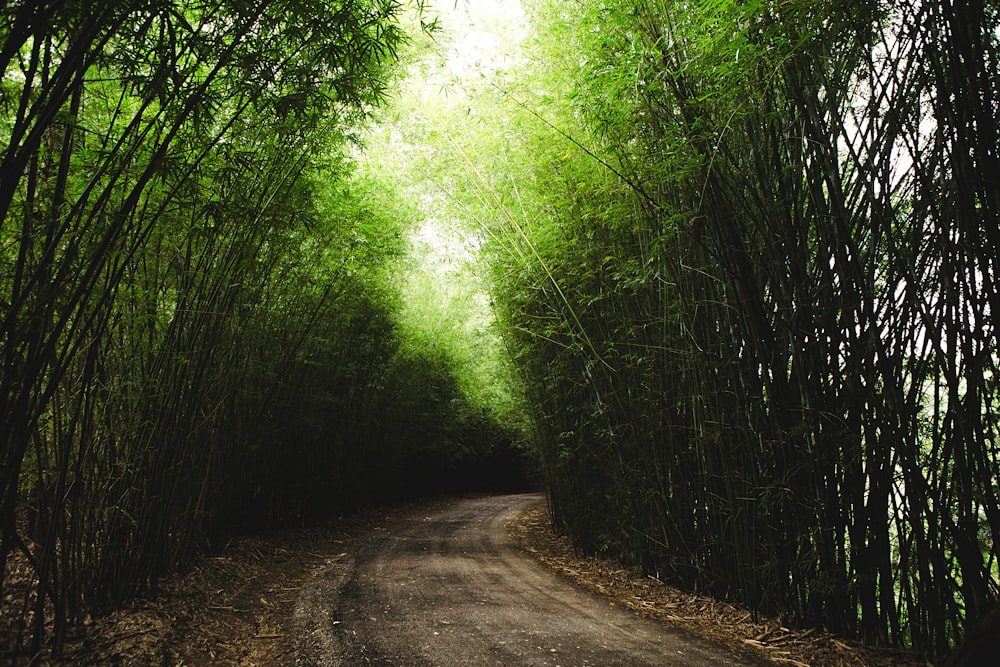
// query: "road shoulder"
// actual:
[[766, 640]]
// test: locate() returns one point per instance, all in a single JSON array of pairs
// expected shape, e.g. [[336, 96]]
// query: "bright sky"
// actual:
[[485, 35]]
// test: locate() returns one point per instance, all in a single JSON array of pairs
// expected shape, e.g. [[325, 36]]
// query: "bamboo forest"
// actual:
[[717, 275]]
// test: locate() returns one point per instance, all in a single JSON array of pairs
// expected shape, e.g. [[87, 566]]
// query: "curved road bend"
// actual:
[[451, 589]]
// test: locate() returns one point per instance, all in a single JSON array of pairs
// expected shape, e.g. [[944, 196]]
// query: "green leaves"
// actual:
[[164, 260], [699, 268]]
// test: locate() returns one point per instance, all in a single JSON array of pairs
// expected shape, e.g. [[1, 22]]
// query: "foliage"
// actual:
[[743, 254], [415, 144], [199, 331]]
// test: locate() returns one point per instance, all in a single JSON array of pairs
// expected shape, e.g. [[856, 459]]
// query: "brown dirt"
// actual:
[[237, 608], [450, 587]]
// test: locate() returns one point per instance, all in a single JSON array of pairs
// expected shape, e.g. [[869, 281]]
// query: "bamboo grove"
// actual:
[[197, 319], [745, 257]]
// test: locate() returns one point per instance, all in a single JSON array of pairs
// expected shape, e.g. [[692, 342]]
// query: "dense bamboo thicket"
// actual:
[[743, 254], [197, 331], [746, 258]]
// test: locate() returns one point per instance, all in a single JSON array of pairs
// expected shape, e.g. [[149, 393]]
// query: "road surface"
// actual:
[[449, 588]]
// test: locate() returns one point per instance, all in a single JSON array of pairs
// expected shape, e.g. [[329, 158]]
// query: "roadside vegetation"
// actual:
[[745, 257]]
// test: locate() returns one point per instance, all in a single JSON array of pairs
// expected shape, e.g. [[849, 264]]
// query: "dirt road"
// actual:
[[448, 588]]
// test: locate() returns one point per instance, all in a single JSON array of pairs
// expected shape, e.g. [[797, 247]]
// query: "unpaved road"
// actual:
[[448, 588]]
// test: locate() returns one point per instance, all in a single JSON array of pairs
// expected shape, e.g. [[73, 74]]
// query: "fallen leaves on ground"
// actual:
[[766, 640], [229, 609]]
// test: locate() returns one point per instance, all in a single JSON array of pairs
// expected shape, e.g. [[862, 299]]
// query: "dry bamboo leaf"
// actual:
[[792, 661], [842, 646]]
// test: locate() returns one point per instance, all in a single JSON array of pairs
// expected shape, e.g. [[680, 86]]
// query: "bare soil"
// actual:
[[292, 598], [450, 588]]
